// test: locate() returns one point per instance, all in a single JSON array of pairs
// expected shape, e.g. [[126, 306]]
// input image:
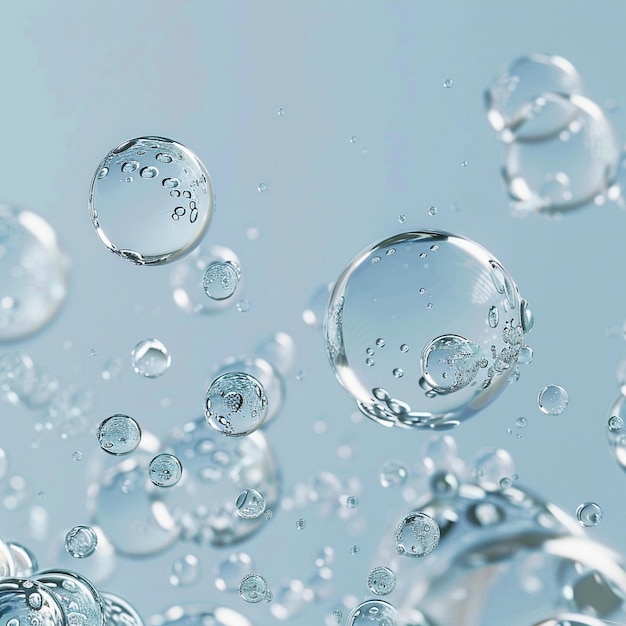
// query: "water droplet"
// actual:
[[163, 157], [354, 550], [165, 470], [398, 372], [149, 172], [171, 183], [615, 423], [352, 502], [521, 422], [404, 348], [525, 356], [526, 316], [381, 581], [448, 83], [553, 400], [300, 524], [589, 514], [393, 474], [253, 588], [103, 173], [464, 163], [402, 218], [250, 504], [493, 316], [380, 342], [129, 166], [221, 279], [119, 435], [243, 305], [150, 358], [81, 542], [231, 570], [353, 139], [262, 187]]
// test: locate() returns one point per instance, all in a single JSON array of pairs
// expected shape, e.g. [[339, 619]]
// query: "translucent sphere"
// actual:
[[493, 466], [33, 273], [253, 588], [76, 595], [553, 400], [236, 404], [119, 612], [165, 470], [417, 534], [119, 434], [381, 581], [150, 358], [393, 474], [433, 293], [373, 613], [589, 514], [250, 504], [221, 279], [217, 469], [185, 571], [566, 170], [231, 570], [151, 200], [207, 281], [28, 603], [511, 98], [81, 542], [25, 561]]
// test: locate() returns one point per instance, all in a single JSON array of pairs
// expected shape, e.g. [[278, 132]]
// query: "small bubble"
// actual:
[[243, 305], [93, 352], [505, 482], [521, 422], [337, 615], [464, 163], [281, 112], [354, 550], [429, 305], [402, 218], [589, 514], [162, 157], [103, 173], [398, 373], [165, 470], [185, 571], [404, 348], [129, 166], [301, 375], [422, 291], [187, 194], [615, 423], [300, 524], [81, 542], [41, 494], [381, 581], [149, 172], [369, 361], [352, 502], [448, 83], [380, 342], [553, 400], [171, 183], [433, 210], [493, 316], [268, 514], [375, 259], [128, 179], [77, 455], [434, 247], [262, 187], [353, 139], [175, 193]]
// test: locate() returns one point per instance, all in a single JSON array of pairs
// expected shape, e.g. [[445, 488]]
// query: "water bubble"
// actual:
[[119, 434], [171, 183], [235, 404], [337, 615], [521, 422], [165, 470], [185, 571], [433, 210], [354, 550], [253, 588], [493, 316], [525, 356], [17, 598], [460, 372], [221, 279], [381, 581], [150, 358], [140, 222], [393, 474], [353, 139], [417, 534], [563, 172], [268, 514], [111, 368], [352, 502], [553, 400], [448, 83], [262, 187], [615, 423], [398, 372], [526, 316], [300, 524], [464, 163], [589, 514], [33, 273], [81, 542], [231, 570], [373, 613], [402, 218], [77, 455], [491, 466], [281, 111], [511, 98], [25, 561], [313, 315], [250, 504], [243, 305]]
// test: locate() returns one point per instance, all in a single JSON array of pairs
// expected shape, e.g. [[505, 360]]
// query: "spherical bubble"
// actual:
[[151, 200], [33, 270], [615, 431], [566, 170], [188, 281], [119, 612], [250, 504], [313, 315], [236, 404], [217, 469], [553, 400], [434, 294], [28, 603], [185, 571], [265, 373], [589, 514], [76, 595], [119, 435], [165, 470], [150, 358], [393, 474], [81, 542], [373, 613], [253, 588], [511, 98], [25, 561], [221, 279], [381, 581], [199, 615], [231, 570], [492, 466], [279, 349], [8, 565], [417, 534]]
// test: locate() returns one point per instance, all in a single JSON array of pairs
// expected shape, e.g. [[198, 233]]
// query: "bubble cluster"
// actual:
[[560, 149], [151, 200], [235, 404], [417, 534], [81, 542], [165, 470], [150, 358], [119, 435], [465, 360]]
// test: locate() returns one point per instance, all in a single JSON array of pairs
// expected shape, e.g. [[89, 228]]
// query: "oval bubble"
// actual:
[[432, 292], [511, 98], [33, 271], [217, 469], [567, 170], [151, 200]]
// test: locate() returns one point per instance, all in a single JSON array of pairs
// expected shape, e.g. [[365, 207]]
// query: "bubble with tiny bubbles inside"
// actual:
[[165, 470], [417, 535], [81, 542]]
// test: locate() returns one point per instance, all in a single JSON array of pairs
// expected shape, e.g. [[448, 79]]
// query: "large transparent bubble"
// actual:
[[411, 331], [217, 469], [28, 603], [511, 98], [33, 273], [151, 200], [567, 169]]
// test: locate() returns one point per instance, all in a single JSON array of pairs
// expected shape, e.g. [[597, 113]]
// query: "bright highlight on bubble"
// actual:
[[151, 200], [441, 296], [150, 358], [553, 400]]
